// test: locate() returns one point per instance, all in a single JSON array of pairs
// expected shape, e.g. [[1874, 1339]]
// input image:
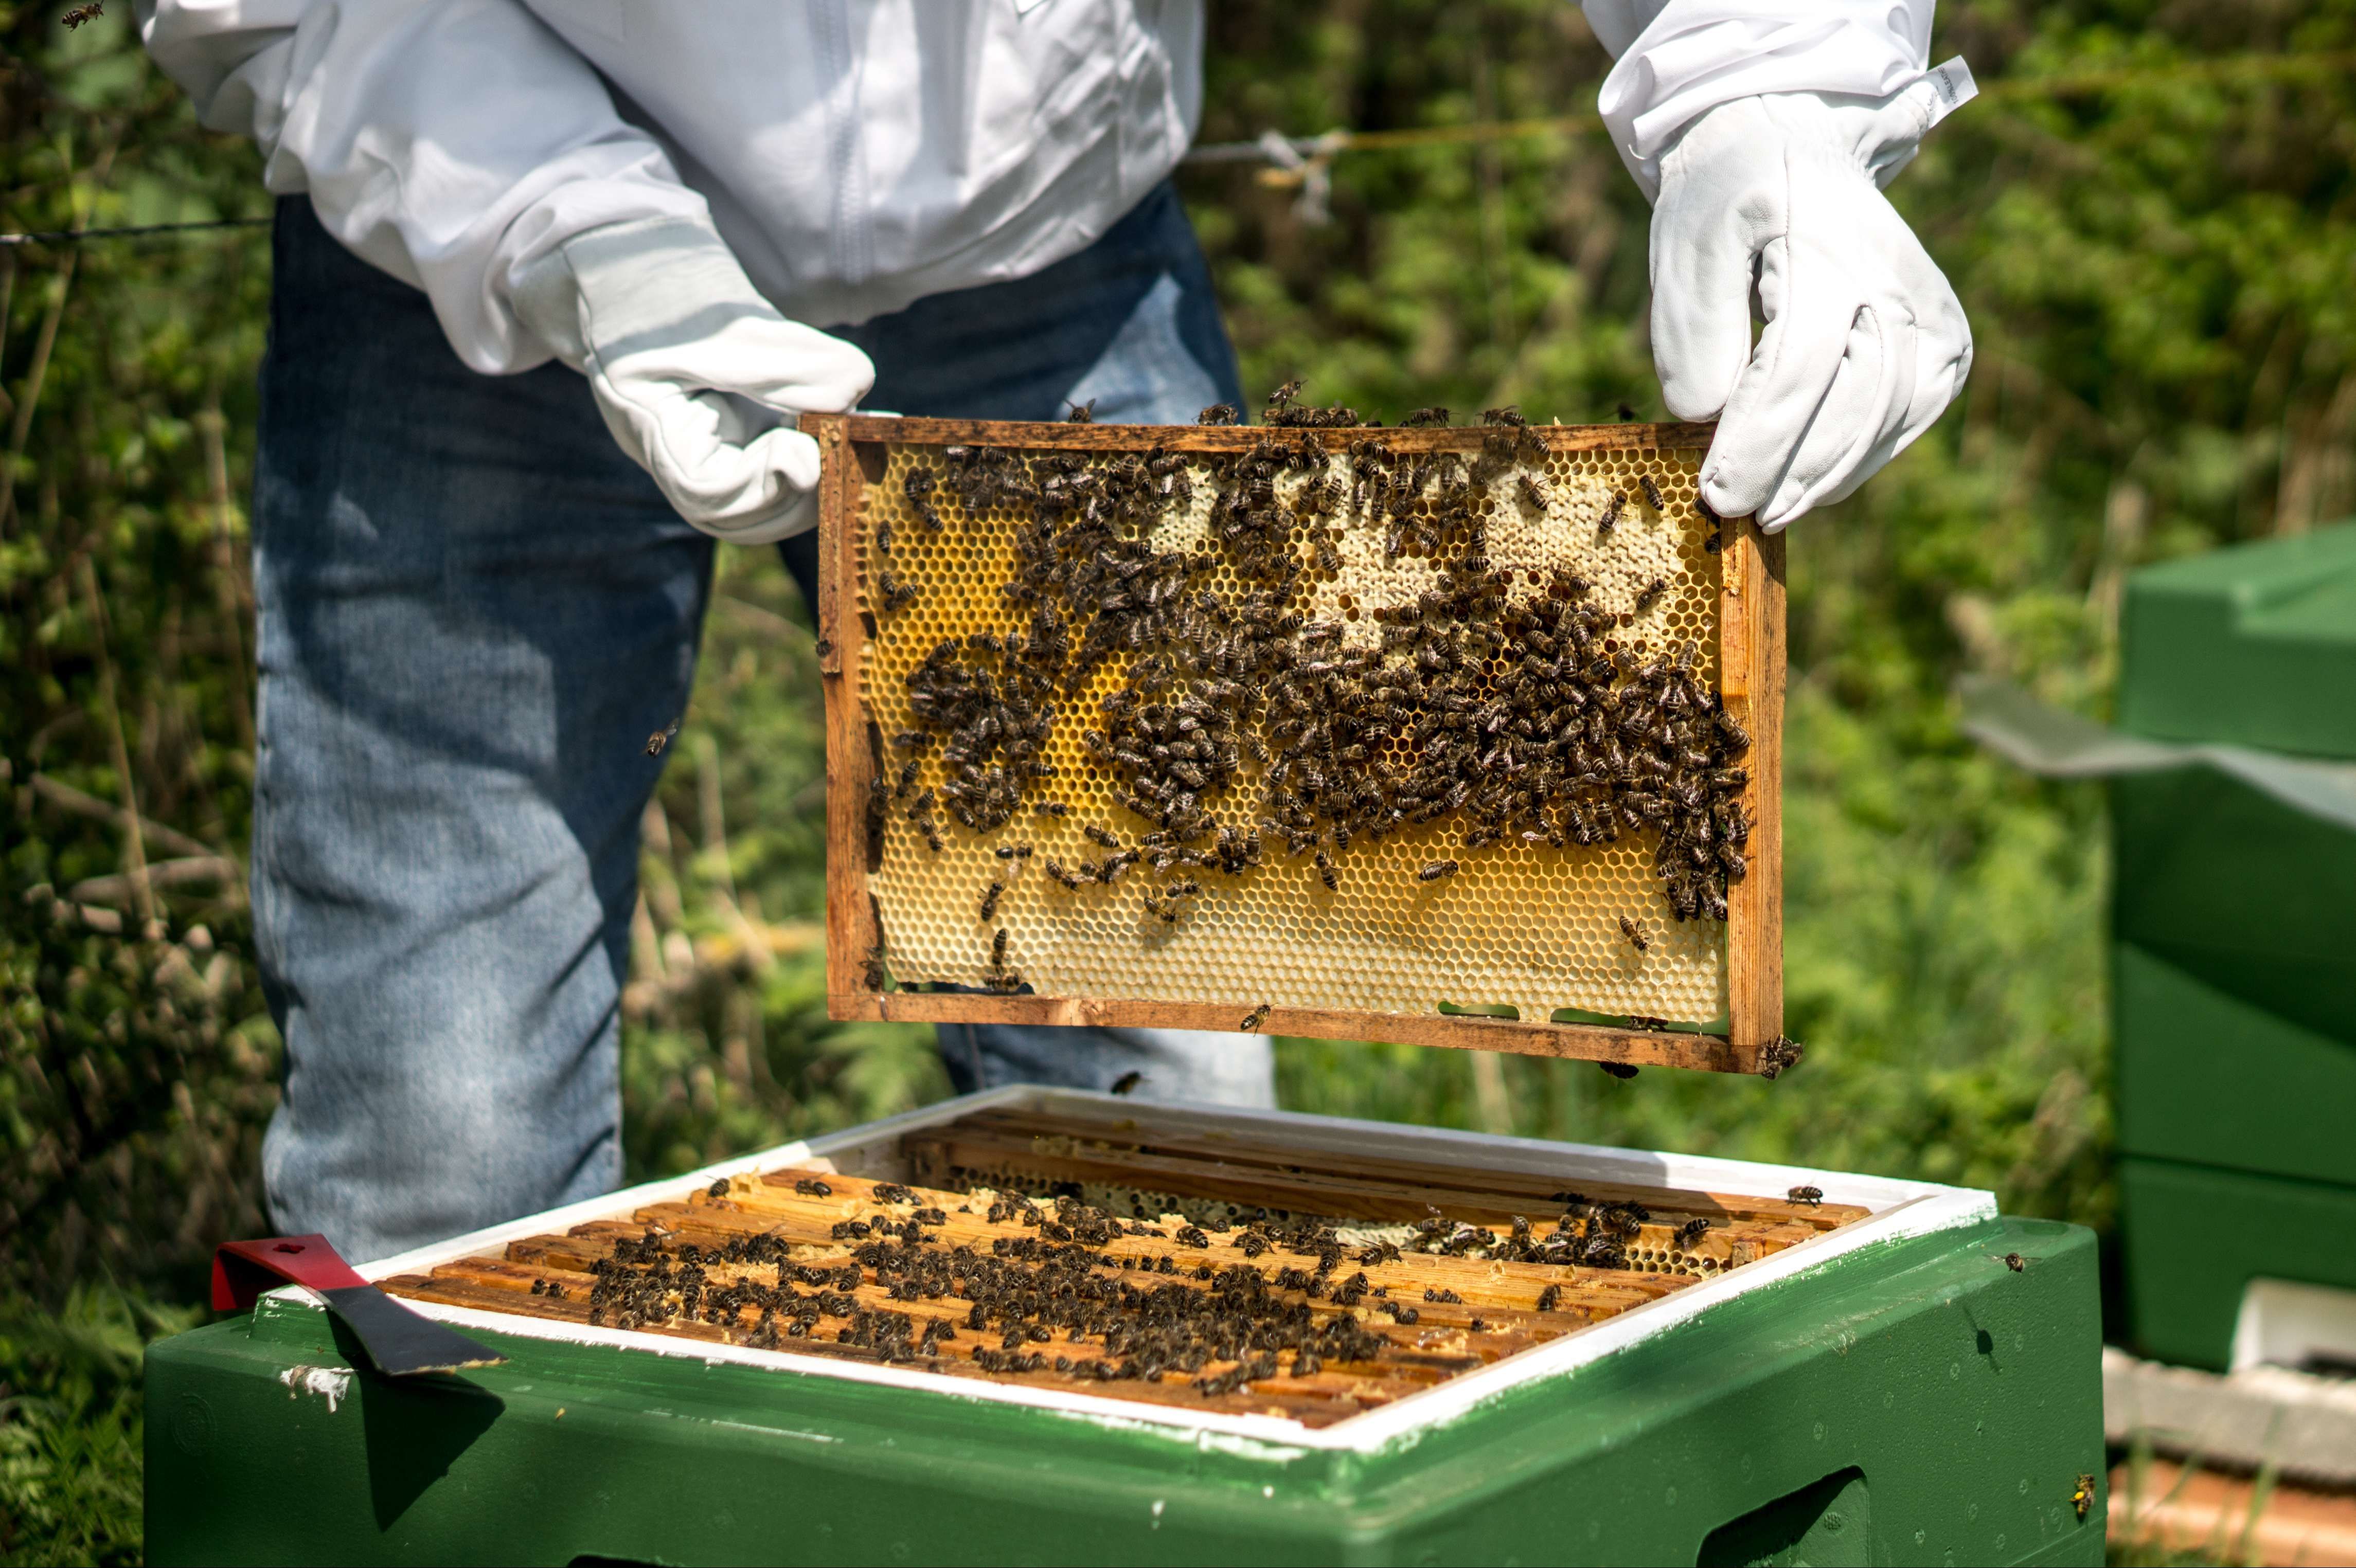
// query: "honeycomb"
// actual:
[[1521, 925]]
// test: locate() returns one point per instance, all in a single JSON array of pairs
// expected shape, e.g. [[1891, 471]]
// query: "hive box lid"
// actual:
[[2254, 646]]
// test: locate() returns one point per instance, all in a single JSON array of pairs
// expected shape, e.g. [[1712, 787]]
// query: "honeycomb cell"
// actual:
[[1520, 923]]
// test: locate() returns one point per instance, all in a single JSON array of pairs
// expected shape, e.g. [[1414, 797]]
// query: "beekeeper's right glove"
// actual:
[[1865, 344], [699, 378]]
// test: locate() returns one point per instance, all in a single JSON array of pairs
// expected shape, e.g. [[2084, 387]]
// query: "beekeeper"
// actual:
[[566, 273]]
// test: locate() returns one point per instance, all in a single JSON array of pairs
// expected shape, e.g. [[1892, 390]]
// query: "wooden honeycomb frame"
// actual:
[[1749, 654]]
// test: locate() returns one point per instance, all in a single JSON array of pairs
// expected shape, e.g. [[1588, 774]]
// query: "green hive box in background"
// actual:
[[2235, 966], [1902, 1395]]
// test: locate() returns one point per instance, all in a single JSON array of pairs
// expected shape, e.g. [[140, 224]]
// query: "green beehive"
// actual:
[[2234, 977], [1906, 1377]]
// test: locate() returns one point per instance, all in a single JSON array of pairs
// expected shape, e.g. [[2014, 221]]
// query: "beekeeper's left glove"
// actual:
[[1865, 343], [698, 376]]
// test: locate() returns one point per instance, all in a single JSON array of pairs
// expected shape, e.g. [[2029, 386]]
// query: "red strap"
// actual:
[[244, 1270]]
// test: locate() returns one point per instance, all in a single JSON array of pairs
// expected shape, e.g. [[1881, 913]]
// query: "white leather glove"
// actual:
[[1865, 343], [698, 376]]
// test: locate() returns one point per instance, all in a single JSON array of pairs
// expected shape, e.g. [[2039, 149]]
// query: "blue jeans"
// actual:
[[473, 610]]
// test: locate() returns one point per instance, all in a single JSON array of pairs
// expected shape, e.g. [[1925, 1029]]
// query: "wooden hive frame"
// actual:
[[1751, 619]]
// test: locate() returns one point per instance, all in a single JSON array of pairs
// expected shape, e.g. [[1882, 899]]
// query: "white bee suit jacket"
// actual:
[[855, 154]]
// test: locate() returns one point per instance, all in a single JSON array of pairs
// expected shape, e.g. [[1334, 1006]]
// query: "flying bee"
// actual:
[[1610, 518], [1618, 1070], [1814, 1196], [80, 13], [1127, 1081], [1081, 414], [1218, 413], [1435, 869], [1652, 496], [990, 901], [661, 738], [1254, 1019], [1635, 933]]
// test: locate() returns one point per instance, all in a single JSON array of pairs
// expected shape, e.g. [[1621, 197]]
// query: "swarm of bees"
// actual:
[[1499, 702]]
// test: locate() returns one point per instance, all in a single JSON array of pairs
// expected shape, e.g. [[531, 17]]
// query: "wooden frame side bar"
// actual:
[[1751, 678], [850, 763]]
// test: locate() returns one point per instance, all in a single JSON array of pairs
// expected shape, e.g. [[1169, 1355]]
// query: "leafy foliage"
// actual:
[[2155, 254]]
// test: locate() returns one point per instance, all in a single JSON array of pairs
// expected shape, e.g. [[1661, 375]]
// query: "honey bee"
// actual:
[[1635, 933], [1778, 1054], [1510, 415], [1325, 872], [2082, 1499], [898, 596], [1433, 415], [1285, 394], [990, 901], [1647, 1021], [1534, 490], [1814, 1196], [998, 950], [1652, 496], [1610, 518], [1127, 1081], [1435, 869], [1651, 592], [1690, 1232], [1218, 413], [1254, 1019], [1549, 1298], [1081, 414], [811, 1187]]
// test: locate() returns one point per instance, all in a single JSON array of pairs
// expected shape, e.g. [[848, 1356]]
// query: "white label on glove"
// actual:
[[1954, 86]]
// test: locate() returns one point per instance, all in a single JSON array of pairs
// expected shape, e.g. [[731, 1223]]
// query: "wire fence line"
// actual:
[[1304, 161]]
